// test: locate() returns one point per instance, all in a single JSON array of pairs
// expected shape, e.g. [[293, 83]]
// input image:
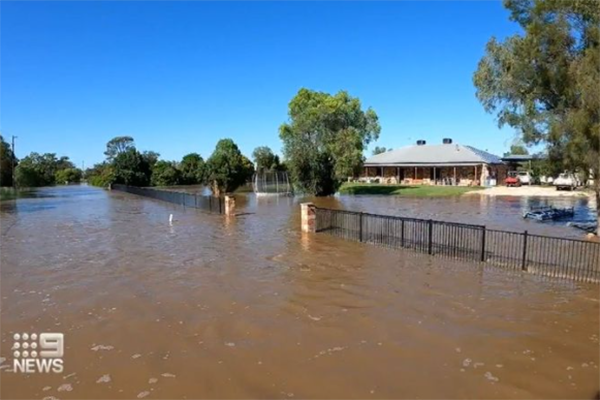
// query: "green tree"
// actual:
[[226, 168], [64, 163], [265, 159], [100, 175], [248, 168], [379, 150], [193, 169], [39, 169], [165, 173], [151, 157], [131, 168], [7, 160], [324, 140], [68, 175], [26, 175], [118, 145], [517, 148], [545, 81]]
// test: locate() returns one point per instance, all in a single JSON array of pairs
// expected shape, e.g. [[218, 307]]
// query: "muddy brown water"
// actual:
[[249, 307]]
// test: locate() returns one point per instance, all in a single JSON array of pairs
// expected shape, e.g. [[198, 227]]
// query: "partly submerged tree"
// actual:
[[545, 82], [265, 159], [68, 175], [118, 145], [125, 164], [28, 175], [226, 169], [165, 173], [100, 175], [323, 141], [40, 169], [192, 169], [131, 168], [7, 163], [248, 169]]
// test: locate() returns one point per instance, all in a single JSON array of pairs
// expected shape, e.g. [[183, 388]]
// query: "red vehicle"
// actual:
[[512, 179]]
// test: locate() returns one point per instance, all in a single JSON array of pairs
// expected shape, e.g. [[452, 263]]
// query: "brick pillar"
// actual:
[[308, 213], [229, 204]]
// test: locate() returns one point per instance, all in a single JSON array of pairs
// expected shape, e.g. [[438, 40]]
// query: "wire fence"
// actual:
[[275, 182], [201, 202], [538, 254]]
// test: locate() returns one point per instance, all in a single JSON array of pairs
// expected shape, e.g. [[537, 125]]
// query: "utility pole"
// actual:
[[12, 147]]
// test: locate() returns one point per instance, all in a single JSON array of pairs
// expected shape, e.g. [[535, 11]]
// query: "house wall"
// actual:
[[465, 174], [500, 172]]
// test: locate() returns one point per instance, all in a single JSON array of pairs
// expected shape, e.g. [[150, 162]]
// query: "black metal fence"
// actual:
[[544, 255], [202, 202]]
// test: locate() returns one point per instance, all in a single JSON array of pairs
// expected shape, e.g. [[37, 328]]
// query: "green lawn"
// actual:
[[403, 190]]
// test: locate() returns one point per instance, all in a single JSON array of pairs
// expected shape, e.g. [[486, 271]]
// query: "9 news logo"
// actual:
[[38, 353]]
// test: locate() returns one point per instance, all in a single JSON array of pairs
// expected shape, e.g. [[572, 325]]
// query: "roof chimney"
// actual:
[[421, 143], [447, 141]]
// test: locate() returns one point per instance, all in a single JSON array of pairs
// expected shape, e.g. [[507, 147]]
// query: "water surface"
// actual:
[[216, 307]]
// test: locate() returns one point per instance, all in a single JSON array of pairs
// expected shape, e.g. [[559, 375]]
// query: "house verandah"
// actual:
[[449, 174]]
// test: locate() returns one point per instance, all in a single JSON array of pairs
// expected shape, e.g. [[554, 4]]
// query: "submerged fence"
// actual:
[[544, 255], [202, 202]]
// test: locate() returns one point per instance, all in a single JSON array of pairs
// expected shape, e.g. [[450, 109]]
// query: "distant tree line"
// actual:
[[542, 81], [224, 171], [323, 143], [35, 169], [45, 170]]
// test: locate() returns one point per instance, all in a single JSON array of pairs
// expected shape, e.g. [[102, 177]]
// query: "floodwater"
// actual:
[[502, 212], [249, 307]]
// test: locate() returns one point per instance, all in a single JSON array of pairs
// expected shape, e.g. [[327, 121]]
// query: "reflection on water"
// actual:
[[211, 307]]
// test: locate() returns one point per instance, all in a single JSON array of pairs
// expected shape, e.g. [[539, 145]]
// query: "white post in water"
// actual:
[[308, 213], [229, 204]]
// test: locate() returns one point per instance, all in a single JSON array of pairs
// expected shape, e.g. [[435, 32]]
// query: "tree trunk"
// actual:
[[215, 189], [595, 172]]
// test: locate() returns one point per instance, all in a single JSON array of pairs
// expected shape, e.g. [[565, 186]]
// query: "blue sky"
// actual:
[[179, 76]]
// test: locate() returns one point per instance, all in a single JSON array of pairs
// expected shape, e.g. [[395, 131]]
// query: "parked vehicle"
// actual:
[[546, 179], [566, 181], [525, 177], [512, 179], [546, 213]]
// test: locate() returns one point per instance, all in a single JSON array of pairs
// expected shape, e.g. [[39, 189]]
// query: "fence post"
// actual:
[[308, 217], [220, 207], [360, 223], [430, 247], [402, 234], [483, 244], [524, 261], [229, 204]]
